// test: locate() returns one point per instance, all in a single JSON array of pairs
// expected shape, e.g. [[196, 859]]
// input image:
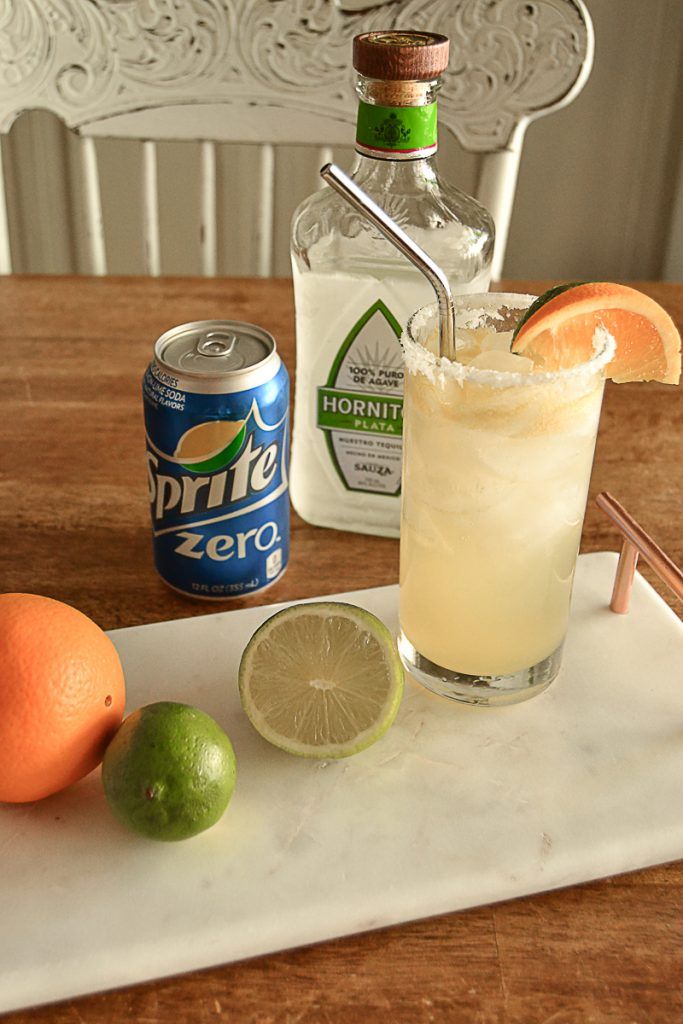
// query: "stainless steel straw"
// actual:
[[366, 206]]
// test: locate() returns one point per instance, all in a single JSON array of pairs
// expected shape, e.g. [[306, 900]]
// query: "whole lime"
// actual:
[[169, 771]]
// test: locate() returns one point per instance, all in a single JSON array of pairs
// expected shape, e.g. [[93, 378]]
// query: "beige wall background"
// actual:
[[600, 191]]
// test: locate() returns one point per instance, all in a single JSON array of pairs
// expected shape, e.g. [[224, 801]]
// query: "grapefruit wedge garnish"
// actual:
[[558, 330]]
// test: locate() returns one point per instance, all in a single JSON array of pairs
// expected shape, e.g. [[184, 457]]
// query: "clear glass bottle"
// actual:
[[354, 291]]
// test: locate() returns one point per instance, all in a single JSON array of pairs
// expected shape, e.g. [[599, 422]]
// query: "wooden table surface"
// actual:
[[74, 526]]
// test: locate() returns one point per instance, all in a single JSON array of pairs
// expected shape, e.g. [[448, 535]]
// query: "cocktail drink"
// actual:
[[496, 464], [501, 407]]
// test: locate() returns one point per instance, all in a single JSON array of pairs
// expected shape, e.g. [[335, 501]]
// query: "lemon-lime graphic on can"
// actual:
[[216, 399], [210, 445]]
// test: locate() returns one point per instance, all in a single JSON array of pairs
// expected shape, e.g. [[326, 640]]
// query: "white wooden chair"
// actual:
[[272, 72]]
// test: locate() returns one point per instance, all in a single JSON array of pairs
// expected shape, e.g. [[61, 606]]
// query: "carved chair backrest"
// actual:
[[269, 72]]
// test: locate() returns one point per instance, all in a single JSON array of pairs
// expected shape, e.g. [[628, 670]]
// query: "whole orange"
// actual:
[[62, 696]]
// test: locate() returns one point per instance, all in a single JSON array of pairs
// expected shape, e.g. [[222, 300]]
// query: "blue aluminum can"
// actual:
[[216, 401]]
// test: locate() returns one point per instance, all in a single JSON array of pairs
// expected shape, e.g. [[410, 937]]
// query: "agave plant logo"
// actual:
[[392, 130], [209, 446]]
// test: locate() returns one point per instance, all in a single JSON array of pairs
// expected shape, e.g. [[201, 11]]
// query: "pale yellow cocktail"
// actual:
[[497, 461]]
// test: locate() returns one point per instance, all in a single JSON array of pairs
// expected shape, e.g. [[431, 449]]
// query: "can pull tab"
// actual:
[[217, 343]]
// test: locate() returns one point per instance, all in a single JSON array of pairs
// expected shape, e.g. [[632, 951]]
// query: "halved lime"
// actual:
[[322, 679]]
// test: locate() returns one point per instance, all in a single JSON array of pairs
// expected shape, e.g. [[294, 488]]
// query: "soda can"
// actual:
[[216, 403]]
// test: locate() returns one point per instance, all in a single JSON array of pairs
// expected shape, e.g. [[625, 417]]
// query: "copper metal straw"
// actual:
[[366, 206], [636, 541]]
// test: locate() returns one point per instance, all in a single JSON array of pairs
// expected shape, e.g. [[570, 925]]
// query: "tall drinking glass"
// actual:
[[496, 466]]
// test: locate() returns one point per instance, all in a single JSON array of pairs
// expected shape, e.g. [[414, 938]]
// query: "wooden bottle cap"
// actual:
[[400, 56]]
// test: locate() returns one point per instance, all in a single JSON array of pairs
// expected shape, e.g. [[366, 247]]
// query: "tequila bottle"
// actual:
[[354, 291]]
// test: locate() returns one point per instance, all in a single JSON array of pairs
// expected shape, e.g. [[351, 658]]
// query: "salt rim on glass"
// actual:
[[420, 342]]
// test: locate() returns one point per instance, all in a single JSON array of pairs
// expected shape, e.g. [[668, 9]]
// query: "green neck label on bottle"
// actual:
[[397, 133]]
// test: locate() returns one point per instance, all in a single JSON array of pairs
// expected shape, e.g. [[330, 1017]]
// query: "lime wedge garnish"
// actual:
[[541, 301], [559, 331], [321, 679]]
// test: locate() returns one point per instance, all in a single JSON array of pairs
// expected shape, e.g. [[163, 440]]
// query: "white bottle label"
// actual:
[[360, 408]]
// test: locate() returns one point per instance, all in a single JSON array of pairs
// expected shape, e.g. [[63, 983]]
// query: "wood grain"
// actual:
[[74, 525]]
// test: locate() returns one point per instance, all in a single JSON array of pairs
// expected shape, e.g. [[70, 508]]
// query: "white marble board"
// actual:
[[455, 807]]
